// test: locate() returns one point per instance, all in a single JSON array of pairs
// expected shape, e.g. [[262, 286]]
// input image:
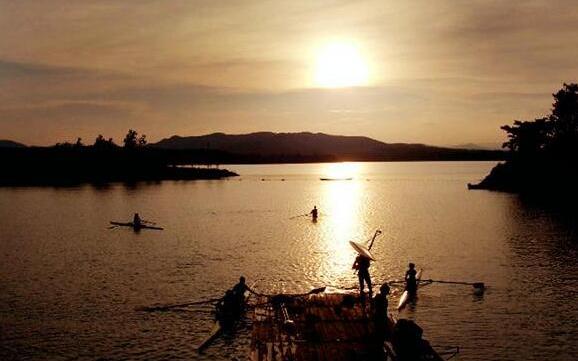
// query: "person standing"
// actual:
[[361, 265], [380, 319], [410, 280]]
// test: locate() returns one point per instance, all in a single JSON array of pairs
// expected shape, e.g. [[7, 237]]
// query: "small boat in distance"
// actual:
[[336, 179], [136, 227]]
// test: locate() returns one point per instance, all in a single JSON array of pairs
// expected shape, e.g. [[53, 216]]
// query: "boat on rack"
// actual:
[[331, 326]]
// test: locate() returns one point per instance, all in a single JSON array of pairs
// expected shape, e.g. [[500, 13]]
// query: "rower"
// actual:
[[314, 213], [239, 290], [410, 280], [361, 265], [227, 309], [136, 221]]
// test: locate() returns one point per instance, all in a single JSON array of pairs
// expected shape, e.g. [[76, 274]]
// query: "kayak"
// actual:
[[406, 297], [362, 250], [135, 227]]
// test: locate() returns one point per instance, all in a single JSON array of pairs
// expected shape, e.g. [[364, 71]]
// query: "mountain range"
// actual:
[[305, 146]]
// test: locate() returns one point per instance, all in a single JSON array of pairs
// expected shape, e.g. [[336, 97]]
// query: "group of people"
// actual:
[[361, 266], [380, 302]]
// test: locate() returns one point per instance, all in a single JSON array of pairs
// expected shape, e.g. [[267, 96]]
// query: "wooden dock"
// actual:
[[325, 327]]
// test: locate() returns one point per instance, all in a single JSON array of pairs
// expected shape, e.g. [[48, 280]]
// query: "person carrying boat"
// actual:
[[136, 221], [361, 265], [314, 213], [410, 280], [380, 304]]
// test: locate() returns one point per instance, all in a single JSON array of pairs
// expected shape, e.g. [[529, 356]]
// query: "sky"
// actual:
[[435, 72]]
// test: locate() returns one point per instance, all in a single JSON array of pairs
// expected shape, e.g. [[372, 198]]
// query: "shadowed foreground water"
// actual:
[[69, 286]]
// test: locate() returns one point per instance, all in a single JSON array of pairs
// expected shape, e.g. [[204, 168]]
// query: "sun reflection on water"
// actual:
[[343, 204]]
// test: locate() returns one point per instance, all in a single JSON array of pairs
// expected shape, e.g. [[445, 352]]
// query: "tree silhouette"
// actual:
[[553, 136], [544, 153], [527, 138], [132, 140], [564, 119], [142, 140], [101, 143]]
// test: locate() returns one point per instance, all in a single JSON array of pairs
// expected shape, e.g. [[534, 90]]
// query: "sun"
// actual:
[[340, 64]]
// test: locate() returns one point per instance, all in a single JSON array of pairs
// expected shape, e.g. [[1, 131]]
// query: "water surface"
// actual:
[[69, 286]]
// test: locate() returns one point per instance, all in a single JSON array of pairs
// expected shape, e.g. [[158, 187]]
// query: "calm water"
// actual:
[[69, 286]]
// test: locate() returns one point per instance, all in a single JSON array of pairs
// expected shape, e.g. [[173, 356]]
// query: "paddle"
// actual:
[[168, 307], [301, 215], [377, 233], [476, 285]]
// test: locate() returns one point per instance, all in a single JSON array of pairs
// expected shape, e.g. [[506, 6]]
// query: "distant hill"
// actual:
[[10, 144], [479, 146], [289, 147]]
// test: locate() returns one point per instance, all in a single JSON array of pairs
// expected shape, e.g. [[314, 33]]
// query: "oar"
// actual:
[[476, 285], [168, 307], [301, 215], [377, 233], [148, 222]]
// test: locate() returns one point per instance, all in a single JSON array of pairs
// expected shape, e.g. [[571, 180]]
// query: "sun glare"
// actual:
[[341, 171], [340, 65]]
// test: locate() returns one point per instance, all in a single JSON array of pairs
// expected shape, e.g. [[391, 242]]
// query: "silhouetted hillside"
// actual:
[[286, 147], [543, 161], [10, 144]]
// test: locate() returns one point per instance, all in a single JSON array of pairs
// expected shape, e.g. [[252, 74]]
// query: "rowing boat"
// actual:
[[406, 297], [222, 322], [136, 227]]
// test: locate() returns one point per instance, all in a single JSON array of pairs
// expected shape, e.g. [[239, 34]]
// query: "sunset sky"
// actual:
[[435, 72]]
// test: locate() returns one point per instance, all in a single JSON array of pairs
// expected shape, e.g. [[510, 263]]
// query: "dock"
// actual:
[[330, 327]]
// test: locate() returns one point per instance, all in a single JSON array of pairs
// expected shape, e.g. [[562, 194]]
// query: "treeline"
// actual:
[[544, 151], [101, 162], [131, 141]]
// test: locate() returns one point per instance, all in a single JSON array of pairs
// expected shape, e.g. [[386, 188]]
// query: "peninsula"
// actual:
[[543, 153]]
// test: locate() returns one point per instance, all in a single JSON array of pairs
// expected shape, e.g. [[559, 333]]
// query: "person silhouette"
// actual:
[[380, 305], [410, 280], [136, 221], [314, 213], [361, 265]]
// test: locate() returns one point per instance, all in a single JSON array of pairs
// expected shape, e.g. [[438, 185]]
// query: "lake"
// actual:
[[70, 287]]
